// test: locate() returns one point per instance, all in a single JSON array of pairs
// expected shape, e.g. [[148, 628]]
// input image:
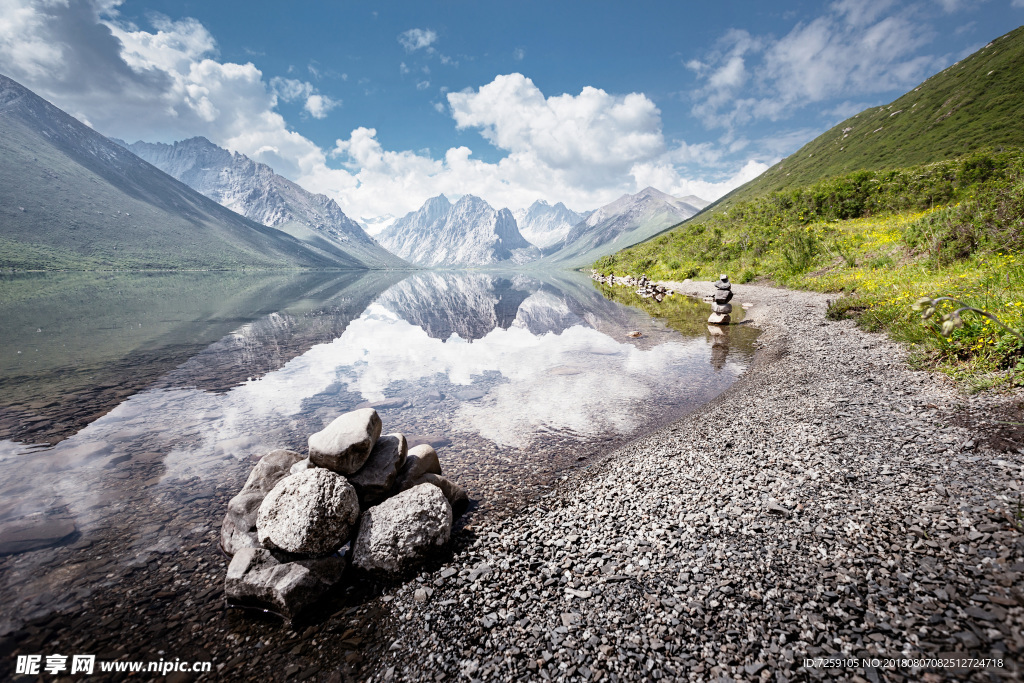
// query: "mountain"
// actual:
[[543, 224], [974, 104], [624, 222], [255, 191], [467, 233], [467, 304], [72, 199]]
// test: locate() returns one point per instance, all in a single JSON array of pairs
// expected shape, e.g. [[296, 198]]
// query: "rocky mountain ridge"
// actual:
[[543, 224], [255, 191], [72, 199], [628, 220], [467, 233]]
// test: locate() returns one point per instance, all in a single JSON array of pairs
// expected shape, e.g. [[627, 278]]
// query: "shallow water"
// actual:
[[157, 393]]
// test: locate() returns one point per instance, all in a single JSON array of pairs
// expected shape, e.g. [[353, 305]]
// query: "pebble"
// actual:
[[836, 511]]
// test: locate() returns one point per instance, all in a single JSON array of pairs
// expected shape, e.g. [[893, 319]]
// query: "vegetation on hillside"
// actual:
[[885, 239], [973, 104]]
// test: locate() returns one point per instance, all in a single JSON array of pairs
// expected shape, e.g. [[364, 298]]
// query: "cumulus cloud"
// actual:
[[590, 137], [167, 83], [417, 39], [317, 106], [868, 47]]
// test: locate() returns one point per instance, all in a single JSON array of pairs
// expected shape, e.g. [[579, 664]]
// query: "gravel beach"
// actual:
[[833, 507]]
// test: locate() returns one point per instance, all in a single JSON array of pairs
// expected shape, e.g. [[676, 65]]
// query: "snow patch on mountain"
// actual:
[[255, 191], [467, 233], [543, 224]]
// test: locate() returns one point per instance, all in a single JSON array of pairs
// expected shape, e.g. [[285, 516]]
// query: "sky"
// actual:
[[381, 105]]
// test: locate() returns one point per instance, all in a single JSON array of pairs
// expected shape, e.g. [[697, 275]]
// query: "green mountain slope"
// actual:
[[921, 198], [974, 104], [72, 199]]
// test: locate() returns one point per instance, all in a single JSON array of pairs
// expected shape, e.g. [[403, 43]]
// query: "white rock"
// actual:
[[257, 579], [344, 445], [403, 530], [310, 513], [301, 466], [419, 461]]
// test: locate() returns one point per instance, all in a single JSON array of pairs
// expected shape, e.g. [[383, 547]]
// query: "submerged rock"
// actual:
[[377, 477], [35, 531], [311, 513], [256, 578], [403, 530], [344, 445]]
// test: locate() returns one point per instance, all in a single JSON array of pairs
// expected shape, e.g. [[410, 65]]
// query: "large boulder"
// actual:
[[270, 469], [256, 578], [310, 513], [420, 460], [239, 527], [455, 494], [344, 445], [403, 530], [376, 478]]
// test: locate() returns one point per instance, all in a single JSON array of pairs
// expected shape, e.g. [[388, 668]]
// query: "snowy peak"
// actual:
[[469, 232], [255, 191], [543, 224], [630, 219]]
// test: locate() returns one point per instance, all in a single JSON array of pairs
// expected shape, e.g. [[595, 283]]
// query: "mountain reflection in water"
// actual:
[[515, 378]]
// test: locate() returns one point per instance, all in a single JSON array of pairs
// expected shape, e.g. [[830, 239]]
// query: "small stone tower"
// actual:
[[721, 308]]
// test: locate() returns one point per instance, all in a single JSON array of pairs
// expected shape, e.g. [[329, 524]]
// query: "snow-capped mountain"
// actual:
[[467, 304], [253, 190], [467, 233], [543, 224], [72, 198], [630, 219], [375, 224]]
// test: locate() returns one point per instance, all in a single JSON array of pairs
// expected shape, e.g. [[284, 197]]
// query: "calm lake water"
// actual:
[[132, 406]]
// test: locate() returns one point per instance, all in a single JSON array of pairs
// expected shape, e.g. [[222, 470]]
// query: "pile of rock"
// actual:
[[644, 286], [720, 306], [357, 495]]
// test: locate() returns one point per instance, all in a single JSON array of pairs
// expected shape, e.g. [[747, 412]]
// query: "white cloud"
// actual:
[[289, 89], [168, 83], [867, 47], [417, 39], [1017, 3], [590, 137], [318, 105], [519, 54], [315, 104], [422, 85]]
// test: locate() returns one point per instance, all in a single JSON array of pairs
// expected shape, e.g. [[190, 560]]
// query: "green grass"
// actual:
[[974, 104], [882, 240]]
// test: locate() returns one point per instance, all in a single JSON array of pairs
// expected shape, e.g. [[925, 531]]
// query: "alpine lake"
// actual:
[[133, 406]]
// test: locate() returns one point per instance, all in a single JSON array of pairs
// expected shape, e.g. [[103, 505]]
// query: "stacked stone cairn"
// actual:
[[720, 306], [357, 495]]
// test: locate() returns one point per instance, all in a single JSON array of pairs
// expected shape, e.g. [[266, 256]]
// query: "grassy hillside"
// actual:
[[72, 199], [977, 103], [884, 239], [920, 198]]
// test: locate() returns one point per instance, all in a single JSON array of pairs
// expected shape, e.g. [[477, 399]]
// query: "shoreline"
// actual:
[[833, 503]]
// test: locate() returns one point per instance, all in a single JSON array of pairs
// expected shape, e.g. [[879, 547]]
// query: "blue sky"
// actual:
[[384, 104]]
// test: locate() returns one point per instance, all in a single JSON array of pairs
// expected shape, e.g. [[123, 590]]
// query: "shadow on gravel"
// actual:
[[1001, 429]]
